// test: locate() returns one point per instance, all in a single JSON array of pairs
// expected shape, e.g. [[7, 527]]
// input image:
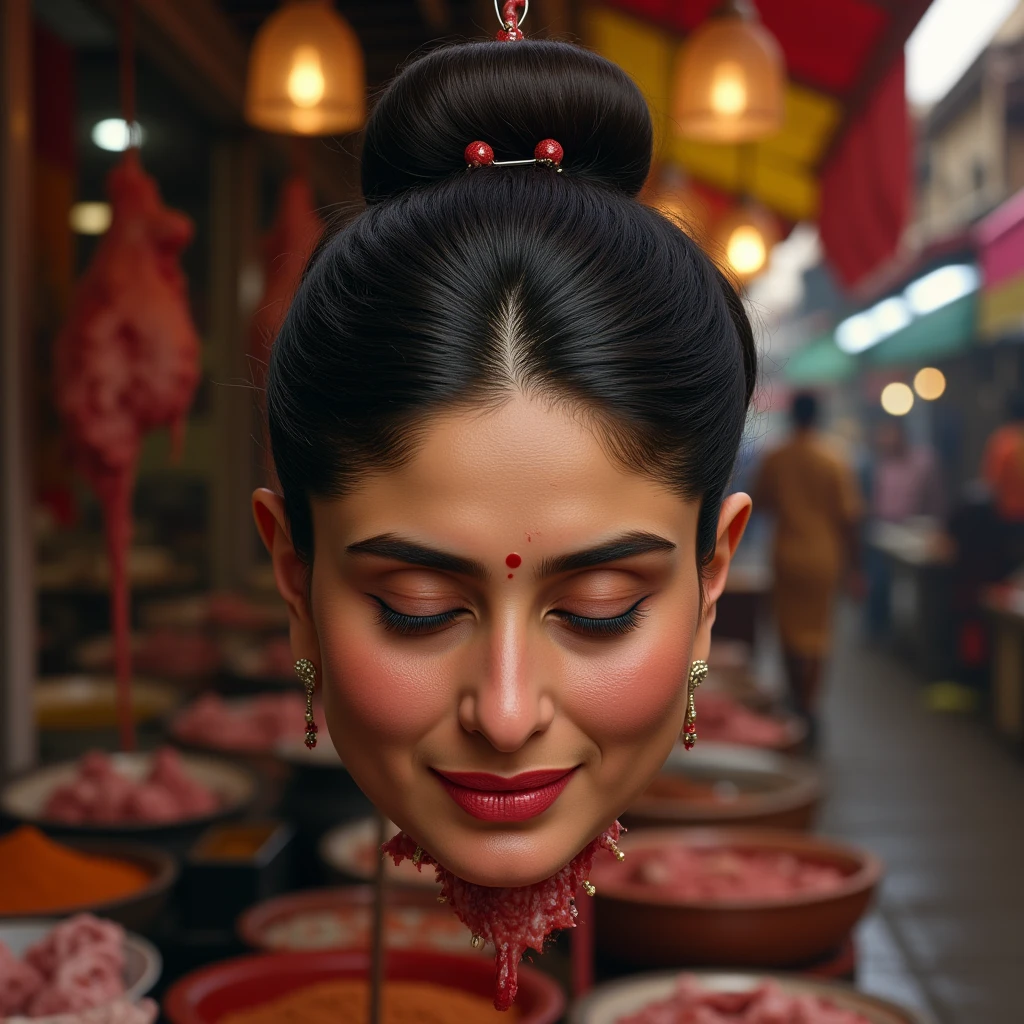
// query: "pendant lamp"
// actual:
[[306, 72], [730, 79], [743, 239]]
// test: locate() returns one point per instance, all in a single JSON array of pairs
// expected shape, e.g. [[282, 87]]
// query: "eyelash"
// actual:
[[413, 625], [618, 625]]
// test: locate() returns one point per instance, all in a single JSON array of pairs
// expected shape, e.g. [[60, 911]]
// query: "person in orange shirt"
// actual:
[[817, 507]]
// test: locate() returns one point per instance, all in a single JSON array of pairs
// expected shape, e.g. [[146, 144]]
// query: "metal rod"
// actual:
[[377, 971]]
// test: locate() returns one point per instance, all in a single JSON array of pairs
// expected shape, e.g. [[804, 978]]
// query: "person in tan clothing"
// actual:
[[817, 506]]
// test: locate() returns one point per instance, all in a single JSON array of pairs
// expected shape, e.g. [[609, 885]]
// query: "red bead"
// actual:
[[690, 727], [548, 151], [688, 742], [479, 154]]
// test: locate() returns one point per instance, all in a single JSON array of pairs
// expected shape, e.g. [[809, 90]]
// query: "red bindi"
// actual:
[[513, 561]]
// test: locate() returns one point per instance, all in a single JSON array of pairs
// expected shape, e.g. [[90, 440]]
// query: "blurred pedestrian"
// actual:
[[905, 483], [1003, 470], [816, 502]]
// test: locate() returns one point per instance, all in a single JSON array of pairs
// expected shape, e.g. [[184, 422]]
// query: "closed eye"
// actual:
[[616, 625], [414, 625]]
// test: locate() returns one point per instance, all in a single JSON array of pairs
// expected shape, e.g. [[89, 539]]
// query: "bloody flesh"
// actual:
[[127, 363], [512, 919]]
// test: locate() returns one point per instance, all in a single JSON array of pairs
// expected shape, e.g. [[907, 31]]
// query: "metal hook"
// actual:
[[501, 20]]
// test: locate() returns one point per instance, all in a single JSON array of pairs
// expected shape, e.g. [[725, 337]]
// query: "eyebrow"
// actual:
[[389, 545], [626, 546]]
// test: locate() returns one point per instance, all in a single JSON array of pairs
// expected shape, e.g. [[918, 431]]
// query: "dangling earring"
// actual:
[[307, 676], [698, 670]]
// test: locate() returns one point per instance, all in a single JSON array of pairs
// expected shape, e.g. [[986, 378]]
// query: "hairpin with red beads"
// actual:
[[547, 153]]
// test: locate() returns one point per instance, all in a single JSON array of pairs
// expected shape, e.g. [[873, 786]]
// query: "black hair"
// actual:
[[804, 409], [458, 287]]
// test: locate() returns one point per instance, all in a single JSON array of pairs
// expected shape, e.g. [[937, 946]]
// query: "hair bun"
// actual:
[[510, 95]]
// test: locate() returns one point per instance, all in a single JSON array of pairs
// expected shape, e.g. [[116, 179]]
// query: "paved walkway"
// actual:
[[942, 802]]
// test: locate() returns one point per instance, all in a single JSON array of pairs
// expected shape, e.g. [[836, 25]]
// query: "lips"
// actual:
[[506, 798]]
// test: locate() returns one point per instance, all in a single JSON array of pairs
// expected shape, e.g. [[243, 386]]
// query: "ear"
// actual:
[[290, 573], [732, 521]]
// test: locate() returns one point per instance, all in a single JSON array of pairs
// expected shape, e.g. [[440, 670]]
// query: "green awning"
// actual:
[[937, 335], [819, 362]]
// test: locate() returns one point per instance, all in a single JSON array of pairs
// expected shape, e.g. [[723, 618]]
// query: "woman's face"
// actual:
[[509, 603]]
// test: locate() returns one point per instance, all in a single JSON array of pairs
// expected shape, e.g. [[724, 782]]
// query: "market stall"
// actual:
[[183, 837]]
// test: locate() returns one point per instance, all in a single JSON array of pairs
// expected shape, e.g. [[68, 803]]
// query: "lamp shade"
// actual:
[[306, 72], [730, 79], [743, 239]]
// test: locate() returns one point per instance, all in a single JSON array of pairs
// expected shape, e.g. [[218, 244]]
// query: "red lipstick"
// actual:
[[506, 798]]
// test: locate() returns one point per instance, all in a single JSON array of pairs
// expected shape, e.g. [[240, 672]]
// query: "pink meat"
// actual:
[[70, 937], [725, 720], [694, 873], [19, 983], [118, 1012], [511, 919], [257, 725], [691, 1003], [84, 980], [286, 249], [100, 794], [127, 362]]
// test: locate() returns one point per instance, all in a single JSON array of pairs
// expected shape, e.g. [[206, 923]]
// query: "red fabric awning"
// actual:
[[845, 156]]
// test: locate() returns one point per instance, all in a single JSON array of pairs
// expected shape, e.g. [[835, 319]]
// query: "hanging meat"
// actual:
[[286, 249], [127, 363]]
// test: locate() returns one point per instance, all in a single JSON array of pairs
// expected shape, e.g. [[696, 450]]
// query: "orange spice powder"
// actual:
[[40, 875], [347, 1002]]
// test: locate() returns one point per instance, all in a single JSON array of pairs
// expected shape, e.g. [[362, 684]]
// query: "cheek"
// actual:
[[379, 691], [628, 695]]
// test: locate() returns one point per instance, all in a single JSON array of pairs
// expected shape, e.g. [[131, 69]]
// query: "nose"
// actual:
[[507, 703]]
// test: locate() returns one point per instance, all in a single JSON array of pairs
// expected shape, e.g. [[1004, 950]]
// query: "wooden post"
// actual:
[[233, 229], [17, 548]]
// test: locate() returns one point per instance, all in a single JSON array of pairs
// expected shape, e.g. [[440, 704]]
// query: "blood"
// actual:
[[513, 561], [511, 576]]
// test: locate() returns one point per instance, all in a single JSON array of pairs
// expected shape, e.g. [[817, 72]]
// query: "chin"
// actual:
[[503, 858]]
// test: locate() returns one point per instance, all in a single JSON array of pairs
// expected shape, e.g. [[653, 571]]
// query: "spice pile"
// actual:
[[691, 1003], [347, 1002], [40, 876], [100, 794], [77, 966], [722, 874]]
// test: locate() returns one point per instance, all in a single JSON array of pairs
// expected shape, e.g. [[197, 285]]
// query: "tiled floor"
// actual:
[[942, 802]]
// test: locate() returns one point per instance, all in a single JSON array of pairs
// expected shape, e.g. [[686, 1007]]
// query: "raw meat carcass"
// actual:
[[127, 362], [286, 249]]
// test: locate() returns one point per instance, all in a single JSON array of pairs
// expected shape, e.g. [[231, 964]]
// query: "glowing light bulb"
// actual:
[[930, 383], [728, 89], [115, 136], [897, 399], [746, 250], [90, 218], [306, 83]]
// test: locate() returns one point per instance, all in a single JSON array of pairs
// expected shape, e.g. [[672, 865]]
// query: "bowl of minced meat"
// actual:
[[725, 998], [729, 898]]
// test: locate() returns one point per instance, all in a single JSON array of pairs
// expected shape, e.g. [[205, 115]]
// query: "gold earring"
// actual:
[[307, 676], [698, 670]]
